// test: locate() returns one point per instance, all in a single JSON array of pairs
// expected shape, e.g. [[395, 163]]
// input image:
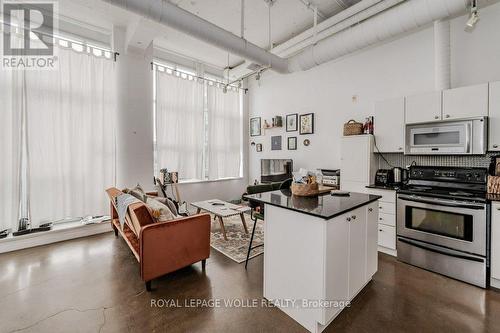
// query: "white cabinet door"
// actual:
[[465, 102], [494, 114], [356, 159], [371, 240], [495, 241], [387, 236], [423, 108], [389, 125], [357, 250]]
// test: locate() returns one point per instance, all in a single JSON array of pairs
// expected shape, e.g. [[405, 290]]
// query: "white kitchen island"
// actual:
[[319, 253]]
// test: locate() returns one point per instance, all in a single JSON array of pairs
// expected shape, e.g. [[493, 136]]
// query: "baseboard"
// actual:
[[58, 234], [495, 283], [388, 251]]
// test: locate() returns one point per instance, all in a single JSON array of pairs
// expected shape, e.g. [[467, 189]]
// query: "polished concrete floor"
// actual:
[[93, 285]]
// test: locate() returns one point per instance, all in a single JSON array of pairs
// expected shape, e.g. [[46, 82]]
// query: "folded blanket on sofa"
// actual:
[[122, 202]]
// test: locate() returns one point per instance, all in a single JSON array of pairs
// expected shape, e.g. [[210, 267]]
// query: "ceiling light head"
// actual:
[[473, 17], [472, 21], [239, 84], [224, 89], [257, 77]]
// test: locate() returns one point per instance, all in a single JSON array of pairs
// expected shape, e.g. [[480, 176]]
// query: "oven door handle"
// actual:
[[443, 252], [441, 202]]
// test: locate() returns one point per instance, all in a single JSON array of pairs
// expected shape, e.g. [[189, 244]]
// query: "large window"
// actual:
[[57, 137], [198, 125]]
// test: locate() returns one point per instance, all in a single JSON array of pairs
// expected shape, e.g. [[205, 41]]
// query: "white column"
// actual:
[[442, 55], [134, 137]]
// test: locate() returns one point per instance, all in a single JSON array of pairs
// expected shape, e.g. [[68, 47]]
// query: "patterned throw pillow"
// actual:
[[159, 211], [137, 192]]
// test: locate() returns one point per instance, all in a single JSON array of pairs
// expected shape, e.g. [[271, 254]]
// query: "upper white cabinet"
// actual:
[[423, 107], [389, 125], [494, 121], [465, 102]]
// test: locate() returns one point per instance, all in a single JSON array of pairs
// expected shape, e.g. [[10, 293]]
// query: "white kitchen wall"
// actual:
[[347, 88]]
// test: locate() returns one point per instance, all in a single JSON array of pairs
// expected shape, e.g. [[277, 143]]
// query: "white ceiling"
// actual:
[[288, 18]]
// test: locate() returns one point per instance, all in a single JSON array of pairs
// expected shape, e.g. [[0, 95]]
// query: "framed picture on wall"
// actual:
[[307, 123], [292, 122], [292, 143], [276, 142], [255, 126]]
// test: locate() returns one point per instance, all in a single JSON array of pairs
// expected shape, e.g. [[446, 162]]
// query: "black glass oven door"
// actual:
[[437, 222]]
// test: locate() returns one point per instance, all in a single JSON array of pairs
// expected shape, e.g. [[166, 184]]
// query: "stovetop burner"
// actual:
[[449, 193], [467, 184]]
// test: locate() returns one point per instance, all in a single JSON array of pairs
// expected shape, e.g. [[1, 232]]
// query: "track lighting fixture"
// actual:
[[257, 77], [224, 89], [473, 17]]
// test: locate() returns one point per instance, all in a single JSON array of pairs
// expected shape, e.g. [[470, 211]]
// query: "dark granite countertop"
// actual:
[[324, 206], [393, 187]]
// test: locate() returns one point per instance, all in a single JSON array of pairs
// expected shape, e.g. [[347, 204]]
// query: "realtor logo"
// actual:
[[28, 30]]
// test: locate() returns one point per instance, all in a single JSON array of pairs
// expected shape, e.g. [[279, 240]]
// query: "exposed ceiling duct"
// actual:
[[403, 18], [168, 14]]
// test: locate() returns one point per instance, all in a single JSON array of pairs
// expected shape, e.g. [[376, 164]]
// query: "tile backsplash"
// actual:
[[388, 160]]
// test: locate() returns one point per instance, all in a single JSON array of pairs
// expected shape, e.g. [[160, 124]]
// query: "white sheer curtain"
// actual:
[[10, 135], [180, 125], [70, 126], [225, 133]]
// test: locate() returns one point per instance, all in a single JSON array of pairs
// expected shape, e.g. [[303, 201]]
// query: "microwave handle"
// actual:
[[468, 134]]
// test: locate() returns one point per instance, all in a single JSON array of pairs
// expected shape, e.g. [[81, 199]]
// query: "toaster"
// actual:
[[384, 177]]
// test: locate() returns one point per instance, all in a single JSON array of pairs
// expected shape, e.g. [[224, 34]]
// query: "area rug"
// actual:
[[236, 245]]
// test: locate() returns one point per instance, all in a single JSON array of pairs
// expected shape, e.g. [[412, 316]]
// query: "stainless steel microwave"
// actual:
[[459, 137]]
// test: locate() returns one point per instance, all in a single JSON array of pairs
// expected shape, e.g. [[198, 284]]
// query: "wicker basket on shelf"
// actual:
[[305, 190], [494, 184], [353, 128]]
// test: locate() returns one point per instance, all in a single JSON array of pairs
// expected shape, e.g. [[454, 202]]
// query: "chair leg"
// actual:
[[203, 264], [115, 230], [251, 241], [148, 285]]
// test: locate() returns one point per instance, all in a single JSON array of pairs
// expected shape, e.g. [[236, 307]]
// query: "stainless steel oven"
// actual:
[[458, 225]]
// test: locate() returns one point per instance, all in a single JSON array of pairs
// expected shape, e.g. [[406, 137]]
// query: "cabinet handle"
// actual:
[[371, 209], [436, 117], [447, 116], [495, 146], [380, 218], [354, 217], [348, 219], [380, 208], [380, 230], [400, 148]]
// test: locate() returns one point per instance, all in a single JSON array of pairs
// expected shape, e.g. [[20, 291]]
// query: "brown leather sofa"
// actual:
[[162, 247]]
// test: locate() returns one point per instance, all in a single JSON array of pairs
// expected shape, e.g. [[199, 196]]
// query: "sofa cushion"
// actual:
[[159, 211]]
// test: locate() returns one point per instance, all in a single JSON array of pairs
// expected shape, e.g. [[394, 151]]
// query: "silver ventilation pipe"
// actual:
[[403, 18], [170, 15]]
